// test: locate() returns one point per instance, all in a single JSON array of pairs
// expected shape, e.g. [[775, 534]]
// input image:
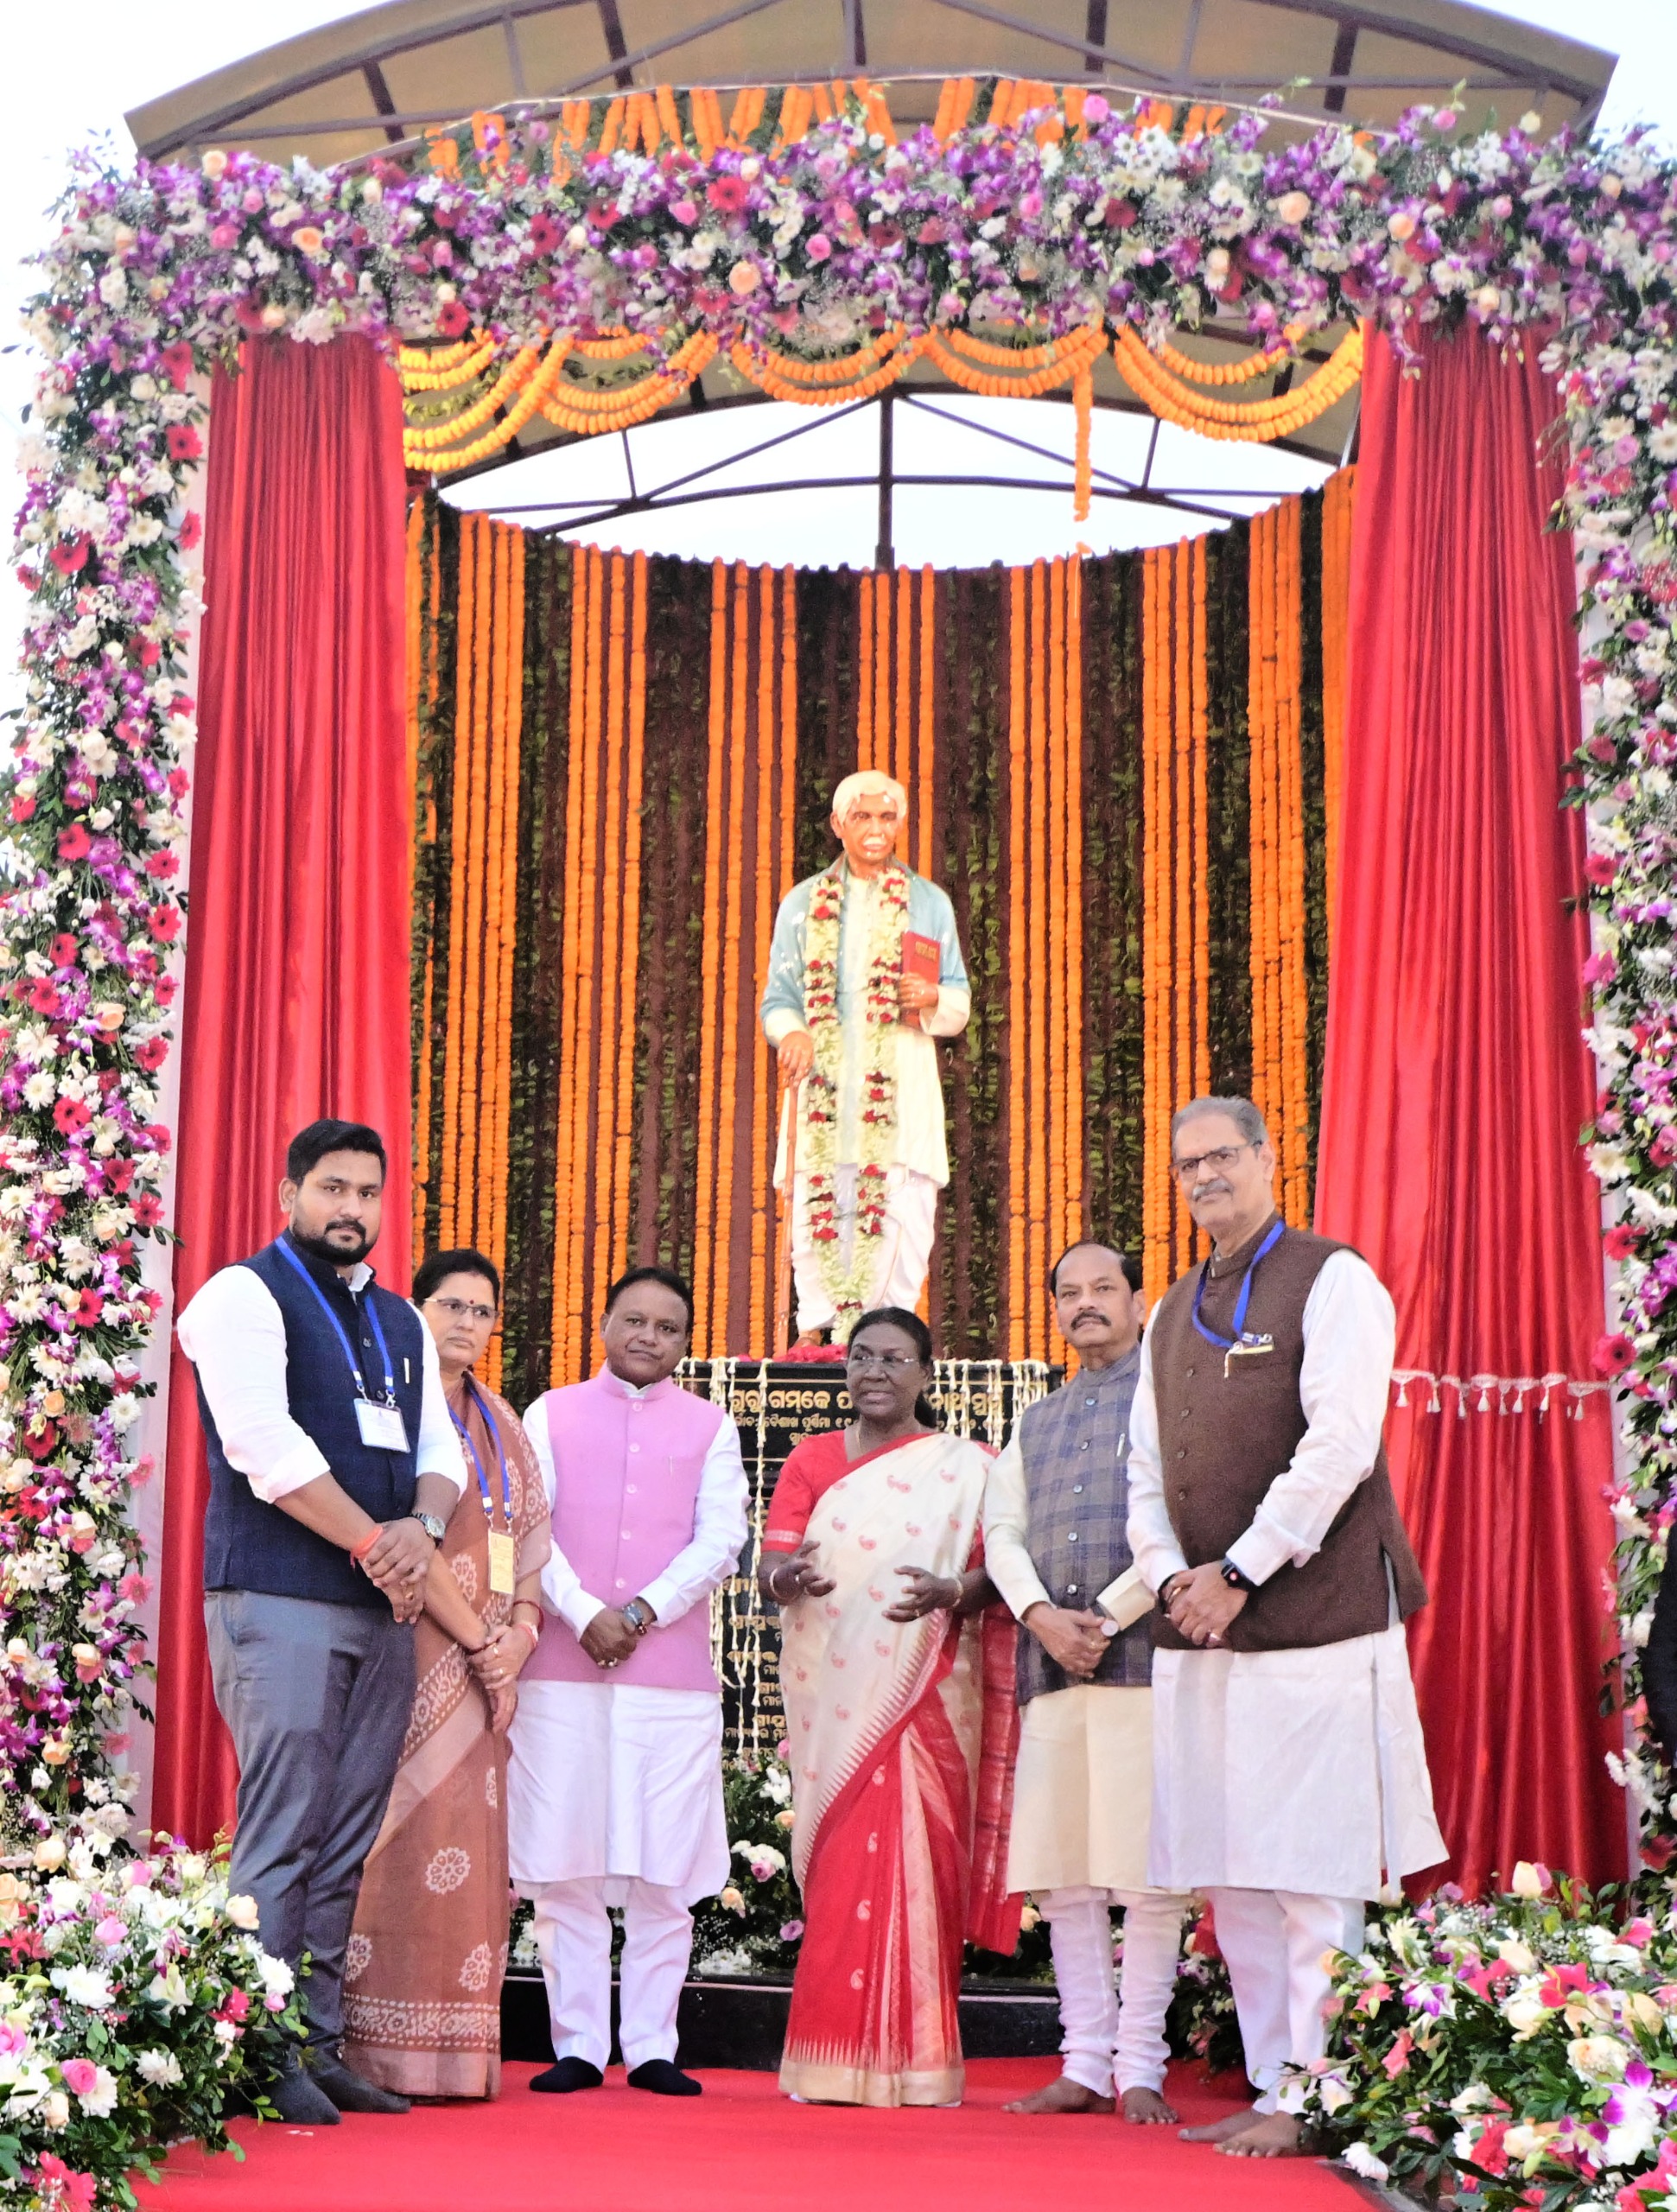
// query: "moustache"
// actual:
[[1217, 1188], [1088, 1313]]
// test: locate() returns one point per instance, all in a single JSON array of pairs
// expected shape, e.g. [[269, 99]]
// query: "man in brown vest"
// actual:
[[1290, 1776]]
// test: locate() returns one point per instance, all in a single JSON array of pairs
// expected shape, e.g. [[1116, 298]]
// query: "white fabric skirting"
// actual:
[[610, 1779], [1301, 1770]]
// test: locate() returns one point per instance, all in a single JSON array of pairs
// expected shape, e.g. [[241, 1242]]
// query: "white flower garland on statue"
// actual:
[[849, 1281]]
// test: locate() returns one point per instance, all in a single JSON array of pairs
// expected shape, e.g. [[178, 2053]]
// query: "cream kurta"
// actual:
[[1082, 1789], [1302, 1769]]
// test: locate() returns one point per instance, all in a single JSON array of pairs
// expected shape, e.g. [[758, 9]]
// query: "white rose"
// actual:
[[1527, 1882], [55, 2106], [1525, 2013], [83, 1985], [1598, 2058], [1333, 2091], [243, 1911], [1362, 2160], [278, 1979], [1520, 1956]]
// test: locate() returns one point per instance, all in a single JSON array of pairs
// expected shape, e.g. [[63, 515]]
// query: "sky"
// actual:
[[71, 88]]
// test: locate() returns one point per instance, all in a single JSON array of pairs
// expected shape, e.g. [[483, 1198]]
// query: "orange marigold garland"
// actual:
[[716, 860]]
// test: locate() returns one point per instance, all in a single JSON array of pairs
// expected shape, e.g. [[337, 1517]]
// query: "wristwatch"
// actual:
[[435, 1530], [1232, 1575], [637, 1616]]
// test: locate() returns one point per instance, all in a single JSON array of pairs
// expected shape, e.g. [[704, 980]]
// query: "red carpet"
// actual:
[[743, 2147]]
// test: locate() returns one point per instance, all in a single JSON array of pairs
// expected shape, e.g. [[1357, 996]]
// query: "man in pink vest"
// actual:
[[615, 1782]]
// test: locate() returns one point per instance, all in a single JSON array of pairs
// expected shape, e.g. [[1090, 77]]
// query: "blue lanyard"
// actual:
[[1227, 1343], [286, 1252], [500, 1453]]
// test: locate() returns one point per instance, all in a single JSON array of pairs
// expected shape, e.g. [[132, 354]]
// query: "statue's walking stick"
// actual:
[[783, 1293]]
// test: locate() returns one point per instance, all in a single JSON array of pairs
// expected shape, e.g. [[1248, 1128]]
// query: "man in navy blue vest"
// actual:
[[333, 1467]]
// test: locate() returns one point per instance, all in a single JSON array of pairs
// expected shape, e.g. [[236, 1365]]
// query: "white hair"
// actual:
[[1241, 1112], [869, 783]]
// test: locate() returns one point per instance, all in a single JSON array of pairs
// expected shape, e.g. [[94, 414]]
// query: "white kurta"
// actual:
[[617, 1780], [1301, 1769]]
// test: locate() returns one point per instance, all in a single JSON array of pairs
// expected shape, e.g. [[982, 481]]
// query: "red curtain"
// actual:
[[297, 1001], [1456, 1082]]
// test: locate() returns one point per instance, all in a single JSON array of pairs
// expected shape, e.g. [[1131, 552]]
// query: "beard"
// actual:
[[334, 1254]]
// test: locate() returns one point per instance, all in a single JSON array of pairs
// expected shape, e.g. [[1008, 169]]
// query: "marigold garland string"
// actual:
[[1279, 1071], [1017, 956], [618, 1256], [730, 1014], [1338, 506], [611, 924], [707, 1208], [1260, 419], [564, 1348], [1036, 1192]]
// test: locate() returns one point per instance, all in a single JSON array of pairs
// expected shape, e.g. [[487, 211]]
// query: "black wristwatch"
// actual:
[[637, 1616], [1232, 1575]]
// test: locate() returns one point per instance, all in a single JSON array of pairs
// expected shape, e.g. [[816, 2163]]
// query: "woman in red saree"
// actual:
[[897, 1673]]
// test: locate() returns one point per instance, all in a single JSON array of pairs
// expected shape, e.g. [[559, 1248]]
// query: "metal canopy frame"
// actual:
[[691, 489], [1480, 62]]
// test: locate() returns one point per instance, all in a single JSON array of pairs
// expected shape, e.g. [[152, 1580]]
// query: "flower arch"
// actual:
[[819, 247]]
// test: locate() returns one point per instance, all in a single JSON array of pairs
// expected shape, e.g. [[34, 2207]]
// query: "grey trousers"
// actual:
[[316, 1698]]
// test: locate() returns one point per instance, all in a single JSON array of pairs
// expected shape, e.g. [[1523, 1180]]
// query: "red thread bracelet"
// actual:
[[358, 1552]]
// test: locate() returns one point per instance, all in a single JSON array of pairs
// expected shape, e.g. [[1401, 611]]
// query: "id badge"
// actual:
[[381, 1427], [502, 1563]]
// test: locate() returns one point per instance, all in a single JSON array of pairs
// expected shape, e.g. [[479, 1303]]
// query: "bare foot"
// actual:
[[1147, 2109], [1219, 2131], [1277, 2135], [1063, 2095]]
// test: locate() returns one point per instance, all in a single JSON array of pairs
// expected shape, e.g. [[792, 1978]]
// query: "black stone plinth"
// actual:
[[743, 2023]]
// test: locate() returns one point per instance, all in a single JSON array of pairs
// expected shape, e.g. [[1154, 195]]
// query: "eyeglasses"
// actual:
[[458, 1310], [891, 1360], [1219, 1160]]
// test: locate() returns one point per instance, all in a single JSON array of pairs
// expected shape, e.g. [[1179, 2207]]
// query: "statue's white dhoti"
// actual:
[[904, 1254]]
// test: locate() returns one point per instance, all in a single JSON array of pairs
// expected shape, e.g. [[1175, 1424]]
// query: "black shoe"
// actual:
[[299, 2098], [350, 2092], [664, 2079], [566, 2075]]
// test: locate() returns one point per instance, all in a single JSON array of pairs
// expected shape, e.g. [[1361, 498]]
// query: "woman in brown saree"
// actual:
[[422, 1979]]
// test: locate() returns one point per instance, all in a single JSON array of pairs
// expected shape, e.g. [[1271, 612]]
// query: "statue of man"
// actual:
[[852, 1012]]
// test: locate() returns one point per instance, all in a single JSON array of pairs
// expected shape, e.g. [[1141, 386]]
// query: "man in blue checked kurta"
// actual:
[[869, 809], [1055, 1545]]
